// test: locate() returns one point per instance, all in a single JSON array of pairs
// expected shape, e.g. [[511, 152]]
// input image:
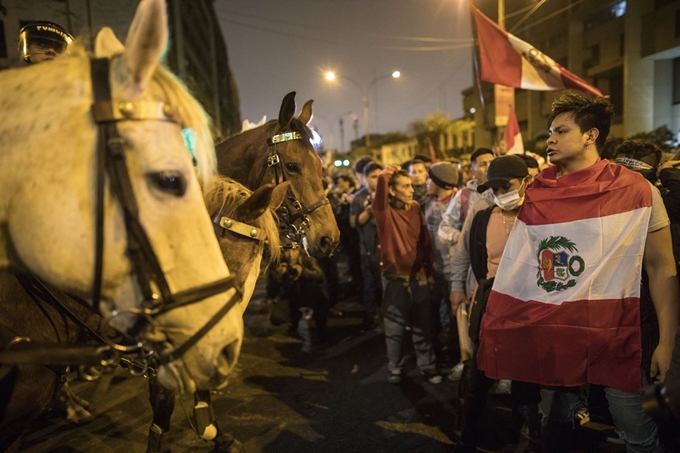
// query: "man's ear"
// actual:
[[593, 134]]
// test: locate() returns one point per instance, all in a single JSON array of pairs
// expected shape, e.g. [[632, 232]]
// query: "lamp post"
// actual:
[[331, 76]]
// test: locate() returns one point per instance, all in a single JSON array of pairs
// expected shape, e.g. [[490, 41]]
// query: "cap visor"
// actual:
[[493, 183]]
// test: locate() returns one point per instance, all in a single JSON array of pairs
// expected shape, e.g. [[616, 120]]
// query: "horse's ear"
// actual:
[[287, 110], [146, 41], [279, 195], [306, 114], [106, 44], [256, 204]]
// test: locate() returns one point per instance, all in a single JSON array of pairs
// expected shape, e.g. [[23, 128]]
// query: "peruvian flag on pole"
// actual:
[[509, 61], [513, 136], [565, 305]]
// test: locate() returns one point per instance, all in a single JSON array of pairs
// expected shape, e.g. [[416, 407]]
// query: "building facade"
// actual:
[[197, 54], [629, 49]]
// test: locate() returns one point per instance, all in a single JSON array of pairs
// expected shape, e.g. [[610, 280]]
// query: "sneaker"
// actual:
[[456, 372], [612, 436], [395, 377], [503, 387], [433, 377]]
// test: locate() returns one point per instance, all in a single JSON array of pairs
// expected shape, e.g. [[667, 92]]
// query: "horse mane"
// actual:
[[191, 115], [188, 112], [223, 194]]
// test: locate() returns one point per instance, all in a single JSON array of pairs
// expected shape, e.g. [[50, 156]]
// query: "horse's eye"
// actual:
[[293, 168], [169, 182]]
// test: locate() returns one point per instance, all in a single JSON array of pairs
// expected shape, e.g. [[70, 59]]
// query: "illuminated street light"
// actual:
[[332, 76]]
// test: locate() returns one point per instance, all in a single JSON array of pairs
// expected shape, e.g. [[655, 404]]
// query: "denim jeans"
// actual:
[[407, 303], [637, 429]]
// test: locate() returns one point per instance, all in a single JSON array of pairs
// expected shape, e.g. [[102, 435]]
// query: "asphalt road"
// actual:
[[334, 399]]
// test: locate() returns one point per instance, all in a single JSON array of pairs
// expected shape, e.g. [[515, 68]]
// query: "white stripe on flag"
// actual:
[[539, 71], [611, 248]]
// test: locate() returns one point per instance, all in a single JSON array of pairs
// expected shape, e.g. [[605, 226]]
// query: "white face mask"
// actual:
[[509, 200]]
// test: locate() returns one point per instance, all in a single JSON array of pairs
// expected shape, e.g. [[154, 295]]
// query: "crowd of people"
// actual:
[[547, 283]]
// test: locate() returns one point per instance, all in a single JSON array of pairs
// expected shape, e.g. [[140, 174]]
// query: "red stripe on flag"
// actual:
[[600, 190], [588, 341], [500, 62], [573, 81]]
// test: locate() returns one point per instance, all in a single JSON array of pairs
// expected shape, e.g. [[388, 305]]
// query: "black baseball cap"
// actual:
[[501, 170]]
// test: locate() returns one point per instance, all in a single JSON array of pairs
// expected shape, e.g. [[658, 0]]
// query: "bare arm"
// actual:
[[659, 263]]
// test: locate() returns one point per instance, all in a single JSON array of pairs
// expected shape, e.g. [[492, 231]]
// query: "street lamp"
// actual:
[[331, 76]]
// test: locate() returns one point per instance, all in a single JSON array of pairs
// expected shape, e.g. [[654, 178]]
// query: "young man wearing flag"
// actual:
[[564, 309]]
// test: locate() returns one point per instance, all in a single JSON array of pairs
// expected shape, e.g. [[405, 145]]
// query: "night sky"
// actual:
[[277, 46]]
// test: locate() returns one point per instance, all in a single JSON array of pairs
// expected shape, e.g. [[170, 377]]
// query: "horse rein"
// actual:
[[276, 163], [111, 161]]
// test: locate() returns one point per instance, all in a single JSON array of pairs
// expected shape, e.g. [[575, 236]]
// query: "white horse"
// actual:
[[48, 208]]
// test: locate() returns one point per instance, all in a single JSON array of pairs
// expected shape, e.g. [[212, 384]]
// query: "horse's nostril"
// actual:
[[228, 357], [326, 242]]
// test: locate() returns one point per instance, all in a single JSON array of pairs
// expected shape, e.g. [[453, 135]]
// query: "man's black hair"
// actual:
[[361, 163], [397, 174], [639, 149], [588, 112], [529, 160], [344, 177], [371, 167], [479, 152], [422, 158]]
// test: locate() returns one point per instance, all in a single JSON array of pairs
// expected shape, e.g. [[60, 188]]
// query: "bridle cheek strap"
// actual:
[[111, 161]]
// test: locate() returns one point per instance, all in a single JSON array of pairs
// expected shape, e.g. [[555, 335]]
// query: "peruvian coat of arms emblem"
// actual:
[[558, 264]]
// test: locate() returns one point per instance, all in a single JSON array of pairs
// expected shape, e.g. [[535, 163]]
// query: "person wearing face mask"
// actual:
[[481, 246]]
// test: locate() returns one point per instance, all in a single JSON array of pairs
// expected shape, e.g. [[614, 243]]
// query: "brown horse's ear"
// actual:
[[287, 110], [279, 195], [256, 204], [306, 114]]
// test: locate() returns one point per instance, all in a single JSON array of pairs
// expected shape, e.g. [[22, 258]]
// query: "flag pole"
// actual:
[[478, 80]]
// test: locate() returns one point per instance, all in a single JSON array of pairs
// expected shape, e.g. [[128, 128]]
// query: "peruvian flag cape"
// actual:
[[565, 305]]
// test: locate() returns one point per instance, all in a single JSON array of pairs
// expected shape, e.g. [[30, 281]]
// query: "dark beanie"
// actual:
[[444, 174]]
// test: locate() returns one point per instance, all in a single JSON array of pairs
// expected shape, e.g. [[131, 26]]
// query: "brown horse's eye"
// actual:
[[169, 182], [293, 168]]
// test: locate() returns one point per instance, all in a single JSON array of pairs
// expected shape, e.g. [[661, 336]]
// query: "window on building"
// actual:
[[3, 43], [676, 80]]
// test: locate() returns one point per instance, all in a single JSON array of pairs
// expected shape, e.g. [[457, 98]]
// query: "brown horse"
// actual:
[[283, 150]]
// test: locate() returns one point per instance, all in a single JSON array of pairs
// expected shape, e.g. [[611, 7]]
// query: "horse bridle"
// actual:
[[274, 161], [147, 269]]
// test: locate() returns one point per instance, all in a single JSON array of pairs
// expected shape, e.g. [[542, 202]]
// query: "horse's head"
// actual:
[[244, 222], [155, 236], [306, 209]]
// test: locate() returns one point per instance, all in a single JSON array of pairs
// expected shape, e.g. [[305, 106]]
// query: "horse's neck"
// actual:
[[43, 124], [43, 111], [241, 157]]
